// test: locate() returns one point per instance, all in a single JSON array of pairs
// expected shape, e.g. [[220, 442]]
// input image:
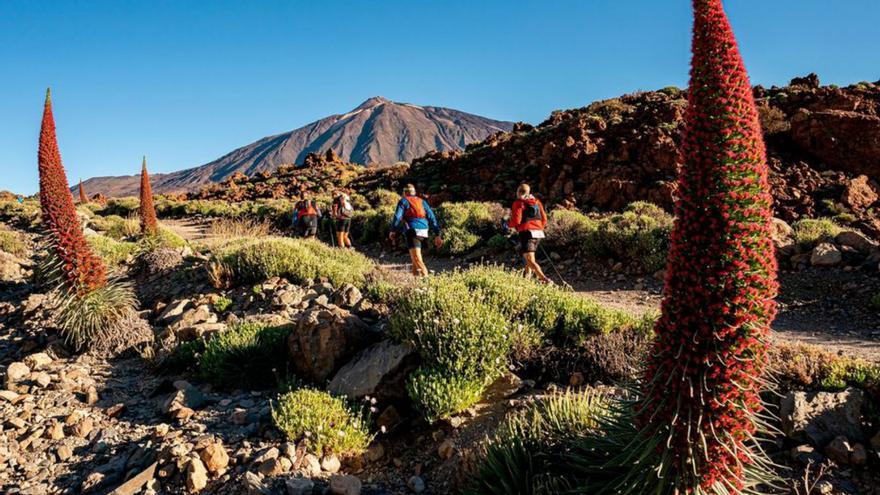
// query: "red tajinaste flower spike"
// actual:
[[81, 269], [83, 199], [721, 274], [149, 224]]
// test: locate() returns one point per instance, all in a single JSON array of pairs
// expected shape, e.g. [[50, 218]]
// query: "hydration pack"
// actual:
[[531, 212], [416, 208]]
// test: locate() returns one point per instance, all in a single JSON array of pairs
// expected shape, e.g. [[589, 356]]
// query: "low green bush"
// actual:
[[247, 355], [498, 242], [439, 395], [26, 213], [13, 243], [372, 225], [812, 231], [528, 452], [164, 238], [474, 216], [457, 240], [639, 236], [114, 252], [463, 343], [296, 259], [122, 207], [325, 423], [221, 304], [568, 228]]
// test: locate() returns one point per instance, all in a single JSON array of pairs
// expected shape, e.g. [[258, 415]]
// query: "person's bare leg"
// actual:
[[535, 267], [346, 239], [340, 236], [527, 270], [422, 268], [414, 258]]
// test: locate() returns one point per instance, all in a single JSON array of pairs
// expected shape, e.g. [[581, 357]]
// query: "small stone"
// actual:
[[825, 254], [82, 428], [838, 450], [196, 475], [56, 431], [300, 486], [253, 485], [345, 485], [311, 466], [576, 379], [38, 361], [331, 464], [416, 484], [8, 395], [115, 410], [64, 452], [92, 396], [43, 379], [275, 467], [375, 452], [859, 455], [15, 373], [446, 449], [215, 457]]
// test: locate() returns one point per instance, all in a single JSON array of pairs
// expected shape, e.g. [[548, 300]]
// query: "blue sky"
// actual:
[[184, 82]]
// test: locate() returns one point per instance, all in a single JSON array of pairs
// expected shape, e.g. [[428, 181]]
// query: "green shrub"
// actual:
[[383, 198], [115, 226], [222, 303], [498, 242], [470, 215], [12, 243], [810, 231], [248, 355], [184, 357], [639, 235], [463, 343], [114, 252], [295, 259], [165, 238], [122, 207], [553, 312], [528, 452], [325, 423], [457, 240], [440, 395], [26, 213], [372, 225], [568, 228]]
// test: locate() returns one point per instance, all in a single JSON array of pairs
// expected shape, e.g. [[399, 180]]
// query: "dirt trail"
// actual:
[[828, 308]]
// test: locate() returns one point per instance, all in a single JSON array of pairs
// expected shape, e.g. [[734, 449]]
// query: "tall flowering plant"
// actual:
[[149, 224], [83, 199], [81, 270], [702, 380]]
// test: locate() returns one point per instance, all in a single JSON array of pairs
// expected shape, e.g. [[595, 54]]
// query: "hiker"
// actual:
[[528, 218], [305, 216], [415, 219], [341, 213]]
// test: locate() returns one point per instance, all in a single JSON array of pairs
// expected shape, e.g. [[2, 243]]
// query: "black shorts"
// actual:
[[413, 241], [527, 244], [308, 226], [342, 224]]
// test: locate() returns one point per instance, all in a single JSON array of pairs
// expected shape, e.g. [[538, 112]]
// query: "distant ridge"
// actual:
[[378, 131]]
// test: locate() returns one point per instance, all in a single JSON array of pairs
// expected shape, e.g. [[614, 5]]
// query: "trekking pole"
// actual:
[[553, 265], [332, 234]]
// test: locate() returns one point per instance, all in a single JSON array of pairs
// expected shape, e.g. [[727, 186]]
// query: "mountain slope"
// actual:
[[378, 131]]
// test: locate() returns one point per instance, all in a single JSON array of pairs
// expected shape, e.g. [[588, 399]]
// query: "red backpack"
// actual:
[[416, 208], [306, 209]]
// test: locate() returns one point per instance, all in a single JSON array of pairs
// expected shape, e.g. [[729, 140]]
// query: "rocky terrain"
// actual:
[[378, 131], [822, 143]]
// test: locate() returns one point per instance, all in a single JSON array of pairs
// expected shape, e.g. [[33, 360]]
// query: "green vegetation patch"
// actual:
[[114, 252], [247, 355], [324, 422], [13, 243], [639, 235], [812, 231], [296, 259]]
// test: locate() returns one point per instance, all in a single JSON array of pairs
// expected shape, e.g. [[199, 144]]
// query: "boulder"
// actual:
[[196, 475], [376, 371], [193, 317], [860, 194], [300, 486], [827, 135], [324, 339], [214, 457], [826, 254], [15, 373], [347, 296], [819, 417], [856, 241], [345, 485]]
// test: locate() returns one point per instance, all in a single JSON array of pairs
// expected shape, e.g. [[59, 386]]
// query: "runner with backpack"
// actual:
[[341, 212], [416, 220], [528, 218], [305, 216]]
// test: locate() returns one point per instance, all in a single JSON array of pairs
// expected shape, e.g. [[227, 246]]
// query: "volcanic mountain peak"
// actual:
[[378, 131]]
